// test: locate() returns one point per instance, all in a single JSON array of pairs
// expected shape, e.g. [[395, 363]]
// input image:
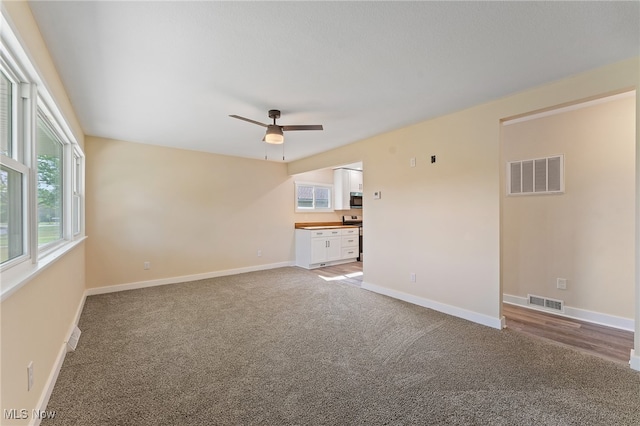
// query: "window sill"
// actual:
[[19, 275], [297, 210]]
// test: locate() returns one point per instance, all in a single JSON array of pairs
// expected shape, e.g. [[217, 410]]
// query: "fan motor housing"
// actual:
[[274, 113]]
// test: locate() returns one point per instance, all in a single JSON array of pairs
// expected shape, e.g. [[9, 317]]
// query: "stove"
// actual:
[[355, 220]]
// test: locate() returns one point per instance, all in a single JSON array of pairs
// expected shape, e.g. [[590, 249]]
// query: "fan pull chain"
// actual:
[[282, 151], [265, 151]]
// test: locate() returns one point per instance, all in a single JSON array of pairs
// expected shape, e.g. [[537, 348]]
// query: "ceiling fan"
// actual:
[[274, 133]]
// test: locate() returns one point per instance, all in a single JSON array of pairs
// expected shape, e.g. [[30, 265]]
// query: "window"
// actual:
[[77, 191], [313, 197], [6, 115], [41, 171], [13, 175], [11, 214], [50, 188]]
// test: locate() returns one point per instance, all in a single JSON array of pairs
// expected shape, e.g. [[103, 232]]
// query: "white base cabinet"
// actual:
[[323, 247]]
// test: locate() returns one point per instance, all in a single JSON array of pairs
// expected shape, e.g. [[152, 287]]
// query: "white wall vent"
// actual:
[[536, 176], [545, 303], [73, 339]]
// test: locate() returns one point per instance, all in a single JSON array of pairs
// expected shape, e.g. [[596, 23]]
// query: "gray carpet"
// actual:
[[284, 347]]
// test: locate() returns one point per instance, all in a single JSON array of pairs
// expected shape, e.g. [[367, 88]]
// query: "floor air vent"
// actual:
[[546, 303], [73, 339]]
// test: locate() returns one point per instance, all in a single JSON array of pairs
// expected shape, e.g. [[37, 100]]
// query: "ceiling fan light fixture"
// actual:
[[274, 135]]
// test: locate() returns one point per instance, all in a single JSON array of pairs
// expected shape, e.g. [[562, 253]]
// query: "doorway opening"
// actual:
[[575, 246]]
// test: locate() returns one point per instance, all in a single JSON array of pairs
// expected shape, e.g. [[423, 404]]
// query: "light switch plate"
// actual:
[[377, 195]]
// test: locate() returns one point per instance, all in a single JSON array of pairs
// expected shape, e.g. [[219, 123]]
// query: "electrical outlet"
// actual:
[[30, 376], [413, 277], [377, 195], [561, 283], [147, 265], [433, 159], [412, 162], [259, 253]]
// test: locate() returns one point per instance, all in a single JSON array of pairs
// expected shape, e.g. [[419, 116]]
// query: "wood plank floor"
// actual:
[[606, 342], [347, 273]]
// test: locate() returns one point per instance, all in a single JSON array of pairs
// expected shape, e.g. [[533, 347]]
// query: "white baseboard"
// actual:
[[55, 371], [437, 306], [185, 278], [634, 362], [51, 382], [577, 313]]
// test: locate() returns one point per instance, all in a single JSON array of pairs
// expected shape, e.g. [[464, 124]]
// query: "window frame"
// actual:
[[77, 183], [313, 209], [30, 98], [44, 118], [23, 170], [18, 159]]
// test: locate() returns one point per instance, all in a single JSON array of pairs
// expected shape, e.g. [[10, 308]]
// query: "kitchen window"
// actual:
[[313, 197]]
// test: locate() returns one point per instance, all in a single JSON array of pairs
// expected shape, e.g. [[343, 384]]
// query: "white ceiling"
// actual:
[[170, 73]]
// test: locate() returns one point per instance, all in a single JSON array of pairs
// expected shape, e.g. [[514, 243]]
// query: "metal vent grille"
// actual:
[[553, 304], [536, 176], [546, 303], [535, 300], [73, 339]]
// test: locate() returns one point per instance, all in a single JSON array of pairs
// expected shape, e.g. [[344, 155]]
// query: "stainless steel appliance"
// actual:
[[355, 220], [355, 200]]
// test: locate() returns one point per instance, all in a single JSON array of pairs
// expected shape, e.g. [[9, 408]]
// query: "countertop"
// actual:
[[328, 227]]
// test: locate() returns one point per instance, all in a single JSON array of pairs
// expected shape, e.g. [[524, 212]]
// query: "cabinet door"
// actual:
[[318, 250], [355, 181], [341, 189], [334, 248]]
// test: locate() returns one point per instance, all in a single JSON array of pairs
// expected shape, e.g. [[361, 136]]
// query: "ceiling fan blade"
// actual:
[[303, 127], [249, 120]]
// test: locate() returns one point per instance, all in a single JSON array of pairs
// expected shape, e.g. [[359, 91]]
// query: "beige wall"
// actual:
[[186, 212], [442, 221], [36, 319], [583, 235], [35, 323]]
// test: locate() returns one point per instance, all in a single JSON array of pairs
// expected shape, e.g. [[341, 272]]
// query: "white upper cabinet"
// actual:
[[345, 181], [355, 181]]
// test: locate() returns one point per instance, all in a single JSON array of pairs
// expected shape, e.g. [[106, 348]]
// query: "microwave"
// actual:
[[355, 200]]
